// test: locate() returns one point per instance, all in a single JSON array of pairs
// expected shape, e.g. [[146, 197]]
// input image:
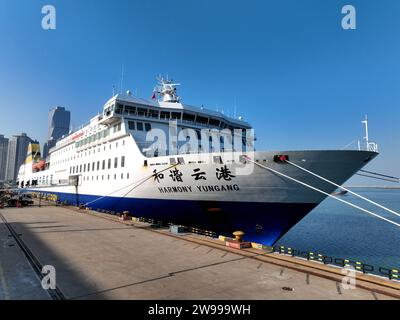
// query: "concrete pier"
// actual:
[[97, 256]]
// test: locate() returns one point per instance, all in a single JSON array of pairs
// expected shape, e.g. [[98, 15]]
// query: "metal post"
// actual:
[[366, 131]]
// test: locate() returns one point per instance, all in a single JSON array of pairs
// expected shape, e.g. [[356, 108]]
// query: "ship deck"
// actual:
[[98, 256]]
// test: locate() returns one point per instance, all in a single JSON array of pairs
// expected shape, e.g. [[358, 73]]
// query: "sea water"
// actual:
[[338, 230]]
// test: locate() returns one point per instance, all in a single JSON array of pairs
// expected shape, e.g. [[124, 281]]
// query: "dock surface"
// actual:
[[96, 256]]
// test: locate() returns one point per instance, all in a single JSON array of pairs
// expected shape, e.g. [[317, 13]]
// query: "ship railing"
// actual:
[[372, 146], [358, 266]]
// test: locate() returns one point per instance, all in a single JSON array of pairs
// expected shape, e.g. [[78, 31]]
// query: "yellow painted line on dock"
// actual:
[[4, 284]]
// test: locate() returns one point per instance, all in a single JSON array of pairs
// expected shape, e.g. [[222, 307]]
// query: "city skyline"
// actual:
[[59, 121], [300, 79], [13, 152]]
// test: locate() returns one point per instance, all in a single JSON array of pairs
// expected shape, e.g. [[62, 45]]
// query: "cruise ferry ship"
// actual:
[[135, 156]]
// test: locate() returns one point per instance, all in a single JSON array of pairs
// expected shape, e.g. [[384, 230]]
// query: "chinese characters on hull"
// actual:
[[222, 173]]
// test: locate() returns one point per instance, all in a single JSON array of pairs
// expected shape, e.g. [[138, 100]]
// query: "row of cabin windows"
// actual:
[[167, 115], [97, 165], [132, 125], [98, 136], [93, 138], [103, 177], [84, 154]]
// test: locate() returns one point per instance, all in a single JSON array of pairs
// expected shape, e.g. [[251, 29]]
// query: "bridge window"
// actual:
[[109, 164], [153, 113], [122, 161], [165, 115], [188, 117], [130, 110], [139, 126], [115, 162], [176, 115], [119, 108], [147, 126], [131, 125], [142, 112], [214, 122], [202, 120]]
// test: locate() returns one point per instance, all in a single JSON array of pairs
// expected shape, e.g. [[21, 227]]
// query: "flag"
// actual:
[[154, 96]]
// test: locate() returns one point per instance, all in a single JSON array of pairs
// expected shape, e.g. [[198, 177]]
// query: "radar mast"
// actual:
[[167, 90]]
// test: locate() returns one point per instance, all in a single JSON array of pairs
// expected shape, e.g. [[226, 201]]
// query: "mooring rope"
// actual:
[[323, 192], [376, 178], [139, 183], [341, 187], [382, 175]]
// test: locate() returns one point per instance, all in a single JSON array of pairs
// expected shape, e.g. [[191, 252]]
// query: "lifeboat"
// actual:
[[41, 165]]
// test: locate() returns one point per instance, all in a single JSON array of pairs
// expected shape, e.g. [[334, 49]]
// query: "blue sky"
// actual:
[[300, 79]]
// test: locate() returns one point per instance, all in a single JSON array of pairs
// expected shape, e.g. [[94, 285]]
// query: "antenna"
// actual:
[[122, 79], [234, 107], [113, 91]]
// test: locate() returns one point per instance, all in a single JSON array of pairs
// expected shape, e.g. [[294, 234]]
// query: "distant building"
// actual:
[[59, 122], [17, 149], [3, 156]]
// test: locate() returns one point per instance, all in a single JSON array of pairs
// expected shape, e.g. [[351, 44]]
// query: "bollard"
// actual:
[[124, 216], [238, 235]]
